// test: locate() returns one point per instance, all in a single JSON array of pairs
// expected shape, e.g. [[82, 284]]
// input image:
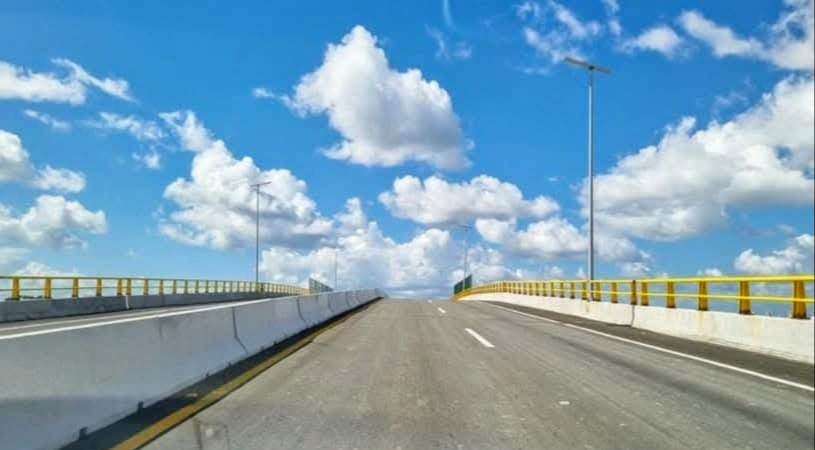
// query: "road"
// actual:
[[469, 375]]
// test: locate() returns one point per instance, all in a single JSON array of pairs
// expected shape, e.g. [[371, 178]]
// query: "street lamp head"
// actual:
[[586, 65]]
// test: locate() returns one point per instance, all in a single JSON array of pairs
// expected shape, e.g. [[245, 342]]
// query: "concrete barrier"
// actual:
[[11, 311], [777, 336], [65, 381]]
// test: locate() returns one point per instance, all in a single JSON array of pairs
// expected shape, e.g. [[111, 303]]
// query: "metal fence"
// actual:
[[25, 287], [790, 289]]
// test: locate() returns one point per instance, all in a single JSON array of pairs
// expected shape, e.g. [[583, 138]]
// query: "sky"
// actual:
[[394, 135]]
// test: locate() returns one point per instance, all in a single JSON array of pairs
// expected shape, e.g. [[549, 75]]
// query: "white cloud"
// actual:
[[115, 87], [11, 258], [52, 222], [555, 32], [660, 38], [150, 159], [556, 238], [435, 201], [47, 119], [683, 185], [17, 83], [142, 130], [34, 268], [262, 92], [710, 272], [612, 8], [385, 117], [797, 257], [16, 167], [216, 205], [59, 180], [449, 51], [790, 43], [428, 264]]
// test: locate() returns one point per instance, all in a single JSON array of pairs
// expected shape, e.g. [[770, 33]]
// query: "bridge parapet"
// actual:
[[790, 289]]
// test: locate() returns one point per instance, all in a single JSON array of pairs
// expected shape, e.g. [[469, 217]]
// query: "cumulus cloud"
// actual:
[[428, 264], [16, 167], [386, 117], [683, 185], [790, 43], [215, 206], [556, 238], [797, 257], [435, 201], [18, 83], [660, 38], [47, 119], [51, 222], [140, 129]]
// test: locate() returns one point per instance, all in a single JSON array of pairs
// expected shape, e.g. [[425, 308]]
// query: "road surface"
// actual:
[[470, 375]]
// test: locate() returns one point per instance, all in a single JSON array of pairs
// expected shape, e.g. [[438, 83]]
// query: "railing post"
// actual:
[[98, 287], [175, 287], [15, 289], [206, 286], [119, 287], [596, 291], [572, 289], [160, 287], [544, 290], [583, 290], [614, 293], [799, 309], [146, 287], [129, 287], [186, 286], [702, 301], [633, 300], [744, 297], [75, 288], [670, 295], [644, 293], [47, 291]]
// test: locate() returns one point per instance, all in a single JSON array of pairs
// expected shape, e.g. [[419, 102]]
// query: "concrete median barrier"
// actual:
[[61, 382]]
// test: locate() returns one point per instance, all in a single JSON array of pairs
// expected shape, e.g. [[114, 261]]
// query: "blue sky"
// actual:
[[424, 116]]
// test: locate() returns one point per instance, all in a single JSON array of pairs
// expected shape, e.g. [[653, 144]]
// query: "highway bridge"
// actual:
[[506, 365]]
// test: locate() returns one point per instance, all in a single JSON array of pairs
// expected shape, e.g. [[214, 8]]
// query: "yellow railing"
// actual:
[[24, 287], [744, 290]]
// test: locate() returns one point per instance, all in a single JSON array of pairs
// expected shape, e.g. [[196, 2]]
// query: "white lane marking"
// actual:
[[441, 310], [430, 301], [671, 352], [564, 403], [91, 319], [479, 338], [131, 319]]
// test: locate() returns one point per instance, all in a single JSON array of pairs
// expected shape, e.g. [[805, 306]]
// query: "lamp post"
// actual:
[[257, 229], [591, 68], [466, 229]]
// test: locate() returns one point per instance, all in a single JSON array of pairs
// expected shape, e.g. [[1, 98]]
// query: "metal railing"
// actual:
[[789, 289], [25, 287]]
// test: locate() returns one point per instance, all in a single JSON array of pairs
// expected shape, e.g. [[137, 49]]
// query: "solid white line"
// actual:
[[91, 319], [131, 319], [479, 338], [441, 310], [670, 352]]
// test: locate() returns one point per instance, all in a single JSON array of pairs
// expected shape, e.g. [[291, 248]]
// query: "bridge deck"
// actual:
[[403, 374]]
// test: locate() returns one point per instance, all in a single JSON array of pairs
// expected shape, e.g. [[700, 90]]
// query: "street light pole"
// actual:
[[257, 229], [591, 68], [466, 229]]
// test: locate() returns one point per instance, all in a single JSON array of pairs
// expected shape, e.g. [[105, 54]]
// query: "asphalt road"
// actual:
[[405, 375]]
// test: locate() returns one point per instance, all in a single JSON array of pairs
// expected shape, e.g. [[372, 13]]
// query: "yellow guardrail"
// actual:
[[744, 290], [14, 287]]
